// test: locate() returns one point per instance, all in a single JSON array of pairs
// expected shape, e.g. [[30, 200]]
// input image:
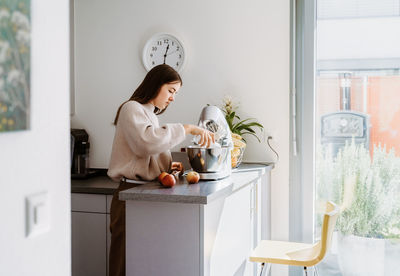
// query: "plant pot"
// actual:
[[360, 256], [392, 257]]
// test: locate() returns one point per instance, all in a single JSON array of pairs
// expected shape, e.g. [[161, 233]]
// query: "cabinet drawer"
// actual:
[[89, 244], [88, 203]]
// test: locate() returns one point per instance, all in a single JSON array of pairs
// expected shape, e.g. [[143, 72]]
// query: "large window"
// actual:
[[334, 9], [353, 69]]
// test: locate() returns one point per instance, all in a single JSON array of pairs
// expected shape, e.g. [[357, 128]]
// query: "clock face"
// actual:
[[163, 48]]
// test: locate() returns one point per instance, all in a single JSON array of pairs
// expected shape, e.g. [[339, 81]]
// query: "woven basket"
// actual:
[[237, 156]]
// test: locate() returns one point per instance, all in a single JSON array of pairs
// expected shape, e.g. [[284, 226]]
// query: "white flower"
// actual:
[[14, 76], [4, 46], [20, 20], [23, 36], [229, 104], [4, 14]]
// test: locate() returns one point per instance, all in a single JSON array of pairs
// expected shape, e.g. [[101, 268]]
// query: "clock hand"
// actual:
[[165, 55]]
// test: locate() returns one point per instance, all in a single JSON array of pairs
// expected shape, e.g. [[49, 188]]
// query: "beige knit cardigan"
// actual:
[[141, 148]]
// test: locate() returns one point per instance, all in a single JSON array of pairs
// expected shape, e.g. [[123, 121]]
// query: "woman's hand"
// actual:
[[206, 137], [177, 166], [177, 169]]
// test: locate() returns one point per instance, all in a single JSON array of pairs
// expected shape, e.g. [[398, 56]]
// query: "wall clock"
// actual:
[[163, 49]]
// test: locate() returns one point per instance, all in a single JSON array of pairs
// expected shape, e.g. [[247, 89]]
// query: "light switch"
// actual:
[[37, 214]]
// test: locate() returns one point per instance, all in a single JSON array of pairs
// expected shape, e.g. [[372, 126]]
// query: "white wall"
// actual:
[[233, 47], [37, 160]]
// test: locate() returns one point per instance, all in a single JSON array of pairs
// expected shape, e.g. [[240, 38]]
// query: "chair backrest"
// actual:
[[313, 255], [328, 225]]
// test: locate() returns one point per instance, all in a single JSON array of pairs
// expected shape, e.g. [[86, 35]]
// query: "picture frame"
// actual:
[[15, 55]]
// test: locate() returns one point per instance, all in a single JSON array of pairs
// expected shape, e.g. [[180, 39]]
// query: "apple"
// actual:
[[168, 180], [192, 177], [161, 176]]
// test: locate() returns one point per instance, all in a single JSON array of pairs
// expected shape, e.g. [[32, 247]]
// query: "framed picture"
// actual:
[[15, 51]]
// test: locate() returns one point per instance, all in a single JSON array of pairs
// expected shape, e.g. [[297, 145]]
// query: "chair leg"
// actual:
[[262, 269], [305, 271], [265, 270], [316, 270]]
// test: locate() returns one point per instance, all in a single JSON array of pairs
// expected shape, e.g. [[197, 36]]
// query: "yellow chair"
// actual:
[[298, 254]]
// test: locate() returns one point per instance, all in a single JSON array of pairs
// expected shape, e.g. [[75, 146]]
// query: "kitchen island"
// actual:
[[208, 228]]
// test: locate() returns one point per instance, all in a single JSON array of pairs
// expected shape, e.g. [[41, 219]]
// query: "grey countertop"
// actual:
[[200, 193], [95, 185]]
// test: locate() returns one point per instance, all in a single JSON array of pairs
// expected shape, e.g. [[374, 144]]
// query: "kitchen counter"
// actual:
[[152, 191], [206, 225], [201, 193], [95, 185]]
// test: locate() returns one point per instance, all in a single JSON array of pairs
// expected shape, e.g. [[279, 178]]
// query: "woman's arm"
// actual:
[[206, 137], [142, 136]]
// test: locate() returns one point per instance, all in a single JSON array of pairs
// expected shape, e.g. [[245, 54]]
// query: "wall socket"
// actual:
[[267, 135]]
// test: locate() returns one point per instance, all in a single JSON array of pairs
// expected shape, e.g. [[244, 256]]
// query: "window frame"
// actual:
[[302, 111], [302, 152]]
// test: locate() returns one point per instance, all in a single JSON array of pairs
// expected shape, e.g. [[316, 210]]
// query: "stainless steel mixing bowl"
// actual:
[[207, 160]]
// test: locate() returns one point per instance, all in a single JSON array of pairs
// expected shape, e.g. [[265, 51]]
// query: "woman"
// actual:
[[141, 147]]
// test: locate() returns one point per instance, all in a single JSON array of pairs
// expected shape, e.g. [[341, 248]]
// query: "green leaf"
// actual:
[[229, 119], [231, 116], [241, 123], [247, 126], [256, 137], [249, 129], [253, 135]]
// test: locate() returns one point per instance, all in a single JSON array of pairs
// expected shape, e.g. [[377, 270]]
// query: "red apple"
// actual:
[[161, 176], [192, 177], [168, 180]]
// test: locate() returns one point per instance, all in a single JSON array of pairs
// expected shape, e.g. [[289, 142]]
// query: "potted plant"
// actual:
[[238, 128], [368, 190]]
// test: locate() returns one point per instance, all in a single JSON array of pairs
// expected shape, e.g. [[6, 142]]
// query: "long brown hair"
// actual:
[[151, 85]]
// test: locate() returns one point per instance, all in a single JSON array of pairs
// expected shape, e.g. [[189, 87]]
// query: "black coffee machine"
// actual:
[[79, 153]]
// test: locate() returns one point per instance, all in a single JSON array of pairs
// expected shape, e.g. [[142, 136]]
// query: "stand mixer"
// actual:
[[213, 162]]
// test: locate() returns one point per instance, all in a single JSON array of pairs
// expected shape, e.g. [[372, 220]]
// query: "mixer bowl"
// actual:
[[208, 160]]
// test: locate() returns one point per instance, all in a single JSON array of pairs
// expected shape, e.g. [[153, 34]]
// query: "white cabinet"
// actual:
[[232, 229], [228, 230], [90, 234], [180, 239], [88, 244]]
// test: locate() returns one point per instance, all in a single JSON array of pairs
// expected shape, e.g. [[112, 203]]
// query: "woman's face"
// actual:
[[166, 95]]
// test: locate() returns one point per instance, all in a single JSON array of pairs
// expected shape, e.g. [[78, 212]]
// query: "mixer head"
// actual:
[[213, 119]]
